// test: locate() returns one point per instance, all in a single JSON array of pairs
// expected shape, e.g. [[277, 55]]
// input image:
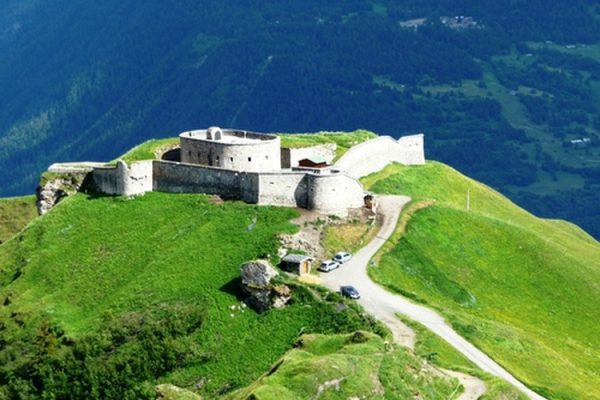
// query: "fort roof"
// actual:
[[227, 136]]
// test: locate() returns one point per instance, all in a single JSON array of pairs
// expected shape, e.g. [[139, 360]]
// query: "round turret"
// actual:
[[231, 149]]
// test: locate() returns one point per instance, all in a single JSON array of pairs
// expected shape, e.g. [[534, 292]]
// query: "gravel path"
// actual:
[[385, 305]]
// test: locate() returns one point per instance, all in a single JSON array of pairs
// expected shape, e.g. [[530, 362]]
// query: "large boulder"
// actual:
[[261, 293]]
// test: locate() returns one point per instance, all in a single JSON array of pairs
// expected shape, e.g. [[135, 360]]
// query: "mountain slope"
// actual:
[[88, 80], [349, 366], [15, 214], [144, 290], [523, 289], [104, 296]]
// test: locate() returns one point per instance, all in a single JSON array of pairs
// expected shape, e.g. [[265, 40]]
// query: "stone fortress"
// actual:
[[253, 167]]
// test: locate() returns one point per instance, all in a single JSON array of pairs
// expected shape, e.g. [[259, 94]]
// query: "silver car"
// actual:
[[328, 265], [342, 257]]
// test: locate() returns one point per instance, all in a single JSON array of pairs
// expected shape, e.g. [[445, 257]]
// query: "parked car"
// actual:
[[349, 291], [328, 265], [342, 257]]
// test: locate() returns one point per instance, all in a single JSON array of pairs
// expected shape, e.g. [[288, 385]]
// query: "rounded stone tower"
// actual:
[[231, 149]]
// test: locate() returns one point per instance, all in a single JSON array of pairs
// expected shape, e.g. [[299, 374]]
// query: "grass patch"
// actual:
[[98, 257], [343, 140], [15, 214], [149, 150], [348, 236], [359, 365], [513, 284]]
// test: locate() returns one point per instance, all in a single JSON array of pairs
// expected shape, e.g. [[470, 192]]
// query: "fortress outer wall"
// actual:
[[122, 180], [375, 154], [334, 193]]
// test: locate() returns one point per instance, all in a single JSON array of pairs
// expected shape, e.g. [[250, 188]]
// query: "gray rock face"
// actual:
[[261, 294], [53, 190], [257, 273]]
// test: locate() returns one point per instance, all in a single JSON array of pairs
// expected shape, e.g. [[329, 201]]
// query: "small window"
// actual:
[[266, 157], [199, 154], [249, 159], [231, 159], [218, 159], [190, 153]]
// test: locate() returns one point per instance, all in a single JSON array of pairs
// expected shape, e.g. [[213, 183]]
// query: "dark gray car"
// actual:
[[350, 291]]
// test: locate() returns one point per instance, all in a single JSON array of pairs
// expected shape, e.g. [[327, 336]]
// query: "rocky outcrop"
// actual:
[[262, 294], [56, 186], [170, 392]]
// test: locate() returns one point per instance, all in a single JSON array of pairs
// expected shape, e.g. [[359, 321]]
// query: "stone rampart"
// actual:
[[283, 188], [122, 180], [177, 177], [334, 193], [412, 148], [74, 167], [327, 192], [290, 157], [375, 154]]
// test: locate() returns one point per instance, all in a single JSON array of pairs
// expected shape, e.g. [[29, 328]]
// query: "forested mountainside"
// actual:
[[506, 91]]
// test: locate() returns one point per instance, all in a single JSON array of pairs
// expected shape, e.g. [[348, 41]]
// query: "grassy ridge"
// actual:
[[15, 214], [349, 366], [523, 289], [343, 140], [109, 256], [149, 150]]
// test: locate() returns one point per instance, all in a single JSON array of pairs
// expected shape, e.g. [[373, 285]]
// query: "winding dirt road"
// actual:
[[385, 305]]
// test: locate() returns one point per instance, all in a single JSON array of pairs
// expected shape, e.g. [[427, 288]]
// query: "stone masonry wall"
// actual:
[[291, 157], [331, 193], [139, 178], [122, 180], [108, 180], [283, 188], [187, 178], [375, 154], [412, 149], [334, 193]]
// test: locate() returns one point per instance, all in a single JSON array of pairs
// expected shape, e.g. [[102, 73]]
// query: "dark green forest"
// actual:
[[506, 91]]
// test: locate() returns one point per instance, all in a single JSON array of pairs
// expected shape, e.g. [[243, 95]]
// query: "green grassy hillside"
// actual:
[[105, 296], [349, 366], [15, 214], [523, 289]]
